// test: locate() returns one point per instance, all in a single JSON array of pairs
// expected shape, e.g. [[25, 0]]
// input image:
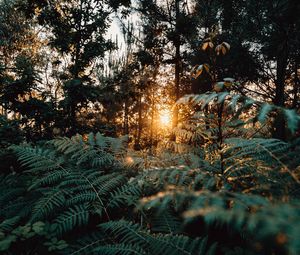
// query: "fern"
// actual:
[[87, 244], [48, 204], [97, 151], [149, 213], [8, 224], [126, 195], [119, 249], [134, 234], [173, 245], [126, 232], [166, 222], [74, 217], [273, 153], [240, 103], [37, 159]]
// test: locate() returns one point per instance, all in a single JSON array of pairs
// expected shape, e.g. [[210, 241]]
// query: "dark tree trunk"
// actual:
[[139, 125], [279, 99], [126, 118], [296, 85], [228, 14], [177, 65]]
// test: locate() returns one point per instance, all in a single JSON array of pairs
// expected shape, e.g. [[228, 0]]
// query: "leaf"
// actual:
[[263, 113], [228, 79], [292, 119], [207, 99], [206, 67], [38, 227], [219, 86], [222, 97], [100, 141], [5, 244], [198, 71], [205, 45], [61, 245], [218, 49], [249, 102], [74, 217], [226, 45], [224, 50], [234, 101], [8, 224], [91, 139]]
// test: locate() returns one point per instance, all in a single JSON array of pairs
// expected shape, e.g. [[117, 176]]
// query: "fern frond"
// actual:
[[178, 244], [10, 194], [82, 197], [166, 222], [128, 194], [127, 232], [47, 204], [86, 244], [76, 216], [8, 224], [272, 152], [97, 151], [48, 179], [120, 249], [244, 103], [37, 159]]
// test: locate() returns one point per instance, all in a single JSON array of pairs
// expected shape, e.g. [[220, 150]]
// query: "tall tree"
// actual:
[[20, 94], [174, 25], [271, 28], [78, 32]]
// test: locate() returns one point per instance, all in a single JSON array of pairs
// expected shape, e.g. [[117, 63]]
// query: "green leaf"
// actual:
[[263, 112], [292, 119], [5, 244], [222, 96], [38, 227]]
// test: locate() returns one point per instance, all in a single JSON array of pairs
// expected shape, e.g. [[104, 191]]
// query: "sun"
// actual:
[[165, 118]]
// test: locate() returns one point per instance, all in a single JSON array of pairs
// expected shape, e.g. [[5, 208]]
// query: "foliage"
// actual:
[[69, 186], [76, 197], [224, 180]]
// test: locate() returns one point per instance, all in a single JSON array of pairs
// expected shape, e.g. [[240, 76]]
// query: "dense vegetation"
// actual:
[[180, 134]]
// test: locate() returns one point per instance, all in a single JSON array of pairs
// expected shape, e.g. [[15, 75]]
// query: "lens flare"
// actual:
[[165, 118]]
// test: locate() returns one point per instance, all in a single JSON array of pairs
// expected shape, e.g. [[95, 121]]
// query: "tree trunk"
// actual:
[[279, 99], [296, 85], [177, 65], [126, 118], [139, 126]]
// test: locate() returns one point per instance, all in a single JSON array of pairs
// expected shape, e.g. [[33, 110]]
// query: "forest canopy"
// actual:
[[149, 127]]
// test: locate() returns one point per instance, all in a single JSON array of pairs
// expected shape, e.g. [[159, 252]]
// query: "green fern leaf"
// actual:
[[120, 249], [292, 119], [76, 216], [47, 204], [263, 112]]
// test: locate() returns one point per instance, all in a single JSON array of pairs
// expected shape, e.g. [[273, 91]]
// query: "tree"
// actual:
[[173, 26], [77, 31], [19, 73], [271, 29]]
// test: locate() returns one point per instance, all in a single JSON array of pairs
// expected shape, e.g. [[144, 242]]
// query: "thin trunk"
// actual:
[[228, 14], [279, 100], [73, 104], [296, 86], [177, 64], [152, 121], [220, 136], [126, 118], [140, 124]]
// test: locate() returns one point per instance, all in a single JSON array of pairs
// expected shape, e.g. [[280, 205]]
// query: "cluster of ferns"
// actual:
[[77, 196]]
